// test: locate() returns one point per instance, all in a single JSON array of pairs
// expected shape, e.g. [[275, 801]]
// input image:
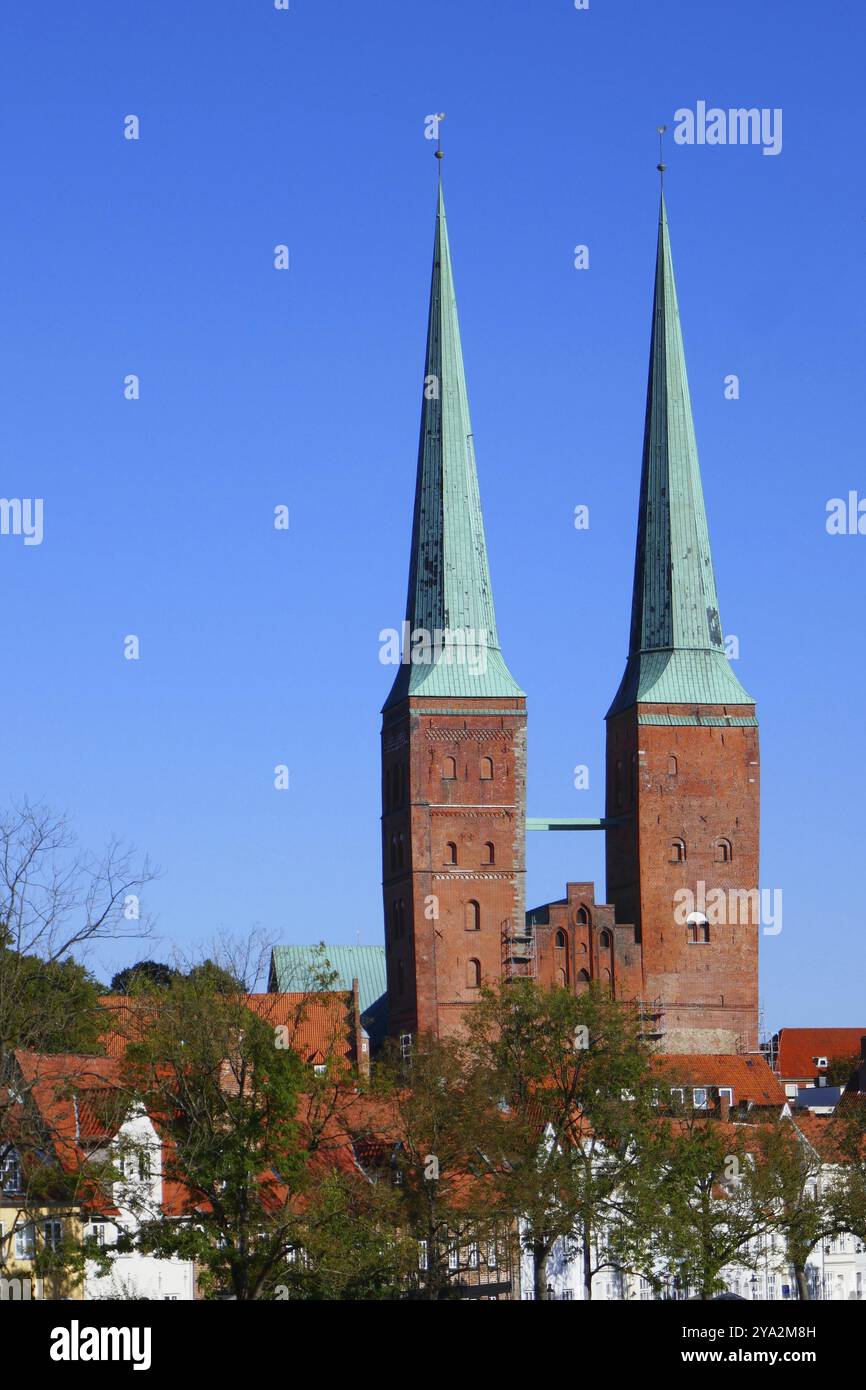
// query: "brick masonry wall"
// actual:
[[699, 785], [446, 908]]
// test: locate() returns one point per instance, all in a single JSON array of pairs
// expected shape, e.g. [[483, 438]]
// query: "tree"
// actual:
[[56, 900], [788, 1181], [144, 975], [573, 1076], [710, 1184], [255, 1142], [430, 1139], [841, 1069], [845, 1148]]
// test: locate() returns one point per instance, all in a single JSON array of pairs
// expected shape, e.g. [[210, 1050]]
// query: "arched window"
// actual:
[[449, 769], [473, 974], [561, 978], [486, 769], [582, 979], [604, 940], [724, 852], [582, 917], [488, 854], [581, 948], [673, 766], [450, 853], [473, 916], [699, 930], [678, 852], [560, 939]]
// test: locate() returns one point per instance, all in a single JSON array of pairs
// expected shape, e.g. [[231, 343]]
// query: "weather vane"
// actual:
[[661, 166]]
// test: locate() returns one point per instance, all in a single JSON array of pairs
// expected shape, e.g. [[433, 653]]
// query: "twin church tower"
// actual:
[[680, 931]]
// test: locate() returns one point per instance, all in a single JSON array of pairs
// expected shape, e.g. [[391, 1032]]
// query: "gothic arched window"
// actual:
[[582, 917], [604, 940], [560, 939], [699, 931]]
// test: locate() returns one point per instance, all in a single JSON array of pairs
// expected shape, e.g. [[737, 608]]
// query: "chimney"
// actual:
[[360, 1040]]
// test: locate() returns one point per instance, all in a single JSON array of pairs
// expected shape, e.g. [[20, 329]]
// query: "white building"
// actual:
[[137, 1153]]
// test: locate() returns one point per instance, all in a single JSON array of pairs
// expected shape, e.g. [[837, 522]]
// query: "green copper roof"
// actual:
[[449, 578], [676, 651], [295, 969]]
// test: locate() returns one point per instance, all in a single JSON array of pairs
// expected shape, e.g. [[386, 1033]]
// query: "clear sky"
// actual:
[[302, 387]]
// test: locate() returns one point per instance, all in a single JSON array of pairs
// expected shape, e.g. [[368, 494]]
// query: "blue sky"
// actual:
[[260, 387]]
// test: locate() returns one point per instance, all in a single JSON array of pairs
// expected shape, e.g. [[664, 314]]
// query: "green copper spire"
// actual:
[[676, 652], [450, 622]]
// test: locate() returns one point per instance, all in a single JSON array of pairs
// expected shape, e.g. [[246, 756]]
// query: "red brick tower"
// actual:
[[454, 725], [682, 741]]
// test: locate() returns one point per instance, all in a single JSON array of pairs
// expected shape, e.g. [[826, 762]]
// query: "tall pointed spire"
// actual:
[[450, 599], [676, 651]]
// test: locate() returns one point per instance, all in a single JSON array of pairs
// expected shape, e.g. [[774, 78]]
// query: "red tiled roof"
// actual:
[[318, 1025], [798, 1048], [748, 1075]]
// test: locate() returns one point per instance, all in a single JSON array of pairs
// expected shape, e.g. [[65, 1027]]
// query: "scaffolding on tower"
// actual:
[[518, 952]]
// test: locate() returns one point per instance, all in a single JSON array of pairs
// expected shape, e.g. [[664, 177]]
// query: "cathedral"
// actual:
[[682, 788]]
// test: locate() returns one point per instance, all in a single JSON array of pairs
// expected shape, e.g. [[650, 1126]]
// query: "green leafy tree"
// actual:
[[434, 1127], [142, 977], [788, 1183], [711, 1190], [572, 1075], [260, 1211]]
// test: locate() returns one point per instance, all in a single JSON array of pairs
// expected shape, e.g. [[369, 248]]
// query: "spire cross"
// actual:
[[661, 166]]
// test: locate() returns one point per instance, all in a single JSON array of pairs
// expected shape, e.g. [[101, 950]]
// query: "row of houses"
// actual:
[[71, 1109]]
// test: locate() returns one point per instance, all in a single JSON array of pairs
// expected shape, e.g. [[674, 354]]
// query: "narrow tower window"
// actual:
[[673, 766], [486, 769], [604, 941], [724, 852], [473, 974], [582, 917], [699, 931], [678, 852], [449, 769], [473, 916], [488, 855], [560, 940], [450, 853]]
